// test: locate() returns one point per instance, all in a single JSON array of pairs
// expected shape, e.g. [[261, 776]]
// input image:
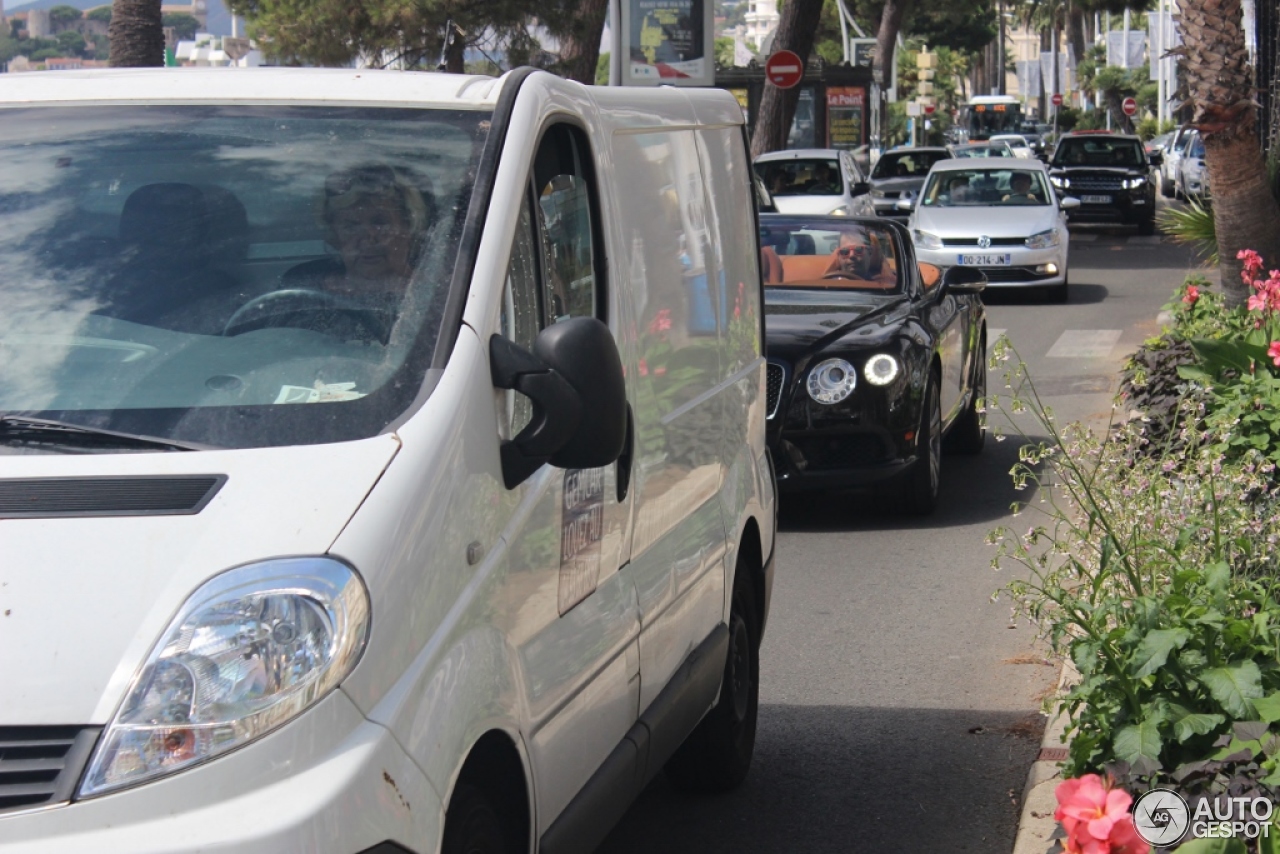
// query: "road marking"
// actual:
[[1084, 344]]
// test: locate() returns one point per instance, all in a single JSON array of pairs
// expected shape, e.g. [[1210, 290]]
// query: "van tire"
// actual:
[[717, 754], [920, 486], [473, 825]]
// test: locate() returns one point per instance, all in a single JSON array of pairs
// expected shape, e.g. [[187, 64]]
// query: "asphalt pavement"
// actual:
[[899, 706]]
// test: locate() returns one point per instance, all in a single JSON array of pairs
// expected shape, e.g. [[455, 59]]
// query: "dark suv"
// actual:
[[1110, 173]]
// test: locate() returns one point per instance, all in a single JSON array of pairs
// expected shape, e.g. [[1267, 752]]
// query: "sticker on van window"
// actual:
[[581, 529], [319, 393]]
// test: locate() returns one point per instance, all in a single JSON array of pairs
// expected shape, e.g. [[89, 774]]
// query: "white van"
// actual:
[[382, 459]]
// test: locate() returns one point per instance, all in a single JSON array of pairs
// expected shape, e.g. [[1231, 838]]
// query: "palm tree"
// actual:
[[136, 33], [1219, 87]]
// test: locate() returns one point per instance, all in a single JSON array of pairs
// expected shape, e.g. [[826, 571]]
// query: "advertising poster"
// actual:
[[668, 41], [846, 108]]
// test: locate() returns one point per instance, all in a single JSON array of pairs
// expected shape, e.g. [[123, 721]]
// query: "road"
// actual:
[[898, 704]]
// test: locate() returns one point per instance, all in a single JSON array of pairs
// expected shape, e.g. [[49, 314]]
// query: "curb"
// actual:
[[1037, 829]]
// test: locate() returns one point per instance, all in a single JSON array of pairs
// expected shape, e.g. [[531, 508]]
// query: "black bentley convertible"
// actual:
[[874, 359]]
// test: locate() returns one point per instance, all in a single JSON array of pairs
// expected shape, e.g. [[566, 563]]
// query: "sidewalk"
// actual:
[[1038, 832]]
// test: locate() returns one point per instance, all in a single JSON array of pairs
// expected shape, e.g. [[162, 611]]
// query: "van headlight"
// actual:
[[1043, 240], [926, 240], [250, 650], [832, 381]]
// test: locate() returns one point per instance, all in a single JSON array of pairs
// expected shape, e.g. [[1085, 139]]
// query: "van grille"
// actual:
[[774, 376], [40, 765], [159, 495]]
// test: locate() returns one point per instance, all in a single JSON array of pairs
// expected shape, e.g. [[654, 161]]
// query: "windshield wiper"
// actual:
[[22, 429]]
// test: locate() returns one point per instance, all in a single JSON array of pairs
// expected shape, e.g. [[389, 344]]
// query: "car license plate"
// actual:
[[984, 260], [1096, 200]]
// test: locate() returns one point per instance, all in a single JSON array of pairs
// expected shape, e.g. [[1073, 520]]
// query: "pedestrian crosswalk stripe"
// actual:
[[1084, 344]]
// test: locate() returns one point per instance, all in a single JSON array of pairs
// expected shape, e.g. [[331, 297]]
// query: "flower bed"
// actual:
[[1150, 562]]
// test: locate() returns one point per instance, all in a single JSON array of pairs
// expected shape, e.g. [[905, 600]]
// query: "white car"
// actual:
[[382, 459], [1193, 177], [818, 181], [1017, 144], [999, 216], [1172, 163]]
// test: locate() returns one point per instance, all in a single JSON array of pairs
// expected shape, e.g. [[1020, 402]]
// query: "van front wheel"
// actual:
[[717, 755], [472, 825]]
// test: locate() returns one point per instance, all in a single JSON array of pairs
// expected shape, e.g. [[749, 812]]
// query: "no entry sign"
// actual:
[[1130, 106], [784, 69], [1057, 99]]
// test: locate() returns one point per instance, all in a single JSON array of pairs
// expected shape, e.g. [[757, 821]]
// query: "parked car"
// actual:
[[990, 148], [873, 358], [1172, 160], [812, 180], [382, 459], [999, 216], [1158, 143], [1112, 176], [1018, 144], [1193, 177], [898, 174]]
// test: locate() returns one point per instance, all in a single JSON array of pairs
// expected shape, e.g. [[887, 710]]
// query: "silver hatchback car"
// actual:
[[819, 181]]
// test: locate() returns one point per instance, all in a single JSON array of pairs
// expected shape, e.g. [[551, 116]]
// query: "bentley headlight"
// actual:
[[1060, 181], [881, 369], [926, 240], [250, 650], [1134, 183], [832, 381], [1044, 239]]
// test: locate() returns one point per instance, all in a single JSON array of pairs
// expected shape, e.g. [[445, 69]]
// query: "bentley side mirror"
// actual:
[[574, 378], [1069, 203], [964, 280]]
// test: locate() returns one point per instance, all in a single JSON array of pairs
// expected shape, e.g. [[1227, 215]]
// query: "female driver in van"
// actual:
[[377, 218]]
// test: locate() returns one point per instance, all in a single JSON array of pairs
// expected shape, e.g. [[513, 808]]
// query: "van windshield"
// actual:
[[195, 273]]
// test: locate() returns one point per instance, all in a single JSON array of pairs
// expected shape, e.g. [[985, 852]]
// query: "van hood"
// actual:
[[991, 220], [83, 599]]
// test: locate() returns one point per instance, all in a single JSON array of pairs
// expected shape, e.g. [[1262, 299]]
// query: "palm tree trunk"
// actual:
[[136, 34], [796, 29], [580, 46], [1220, 89]]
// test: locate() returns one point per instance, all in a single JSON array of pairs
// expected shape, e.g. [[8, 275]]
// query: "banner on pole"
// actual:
[[667, 41]]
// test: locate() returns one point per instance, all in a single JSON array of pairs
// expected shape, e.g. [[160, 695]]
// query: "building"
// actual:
[[38, 26], [762, 19]]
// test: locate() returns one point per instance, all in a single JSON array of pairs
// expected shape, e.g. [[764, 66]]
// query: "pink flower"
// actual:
[[1096, 817], [661, 322], [1192, 294], [1274, 352], [644, 368], [1252, 263], [1257, 302]]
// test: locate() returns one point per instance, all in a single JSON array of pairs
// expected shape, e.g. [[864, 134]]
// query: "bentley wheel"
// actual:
[[921, 489], [717, 755], [969, 435]]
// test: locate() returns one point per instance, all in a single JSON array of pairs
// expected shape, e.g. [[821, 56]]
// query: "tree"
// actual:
[[796, 30], [62, 18], [8, 47], [579, 26], [1219, 88], [184, 25], [102, 14], [136, 33], [403, 33], [71, 43]]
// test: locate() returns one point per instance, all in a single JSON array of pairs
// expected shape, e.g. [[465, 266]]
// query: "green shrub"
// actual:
[[1192, 226]]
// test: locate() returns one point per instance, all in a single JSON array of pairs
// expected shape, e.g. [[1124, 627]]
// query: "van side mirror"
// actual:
[[964, 280], [574, 378]]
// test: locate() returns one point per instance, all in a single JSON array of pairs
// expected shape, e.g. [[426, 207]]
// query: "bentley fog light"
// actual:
[[832, 381], [881, 369], [250, 650]]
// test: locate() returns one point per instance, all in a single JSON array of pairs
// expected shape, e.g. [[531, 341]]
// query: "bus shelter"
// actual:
[[833, 111]]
